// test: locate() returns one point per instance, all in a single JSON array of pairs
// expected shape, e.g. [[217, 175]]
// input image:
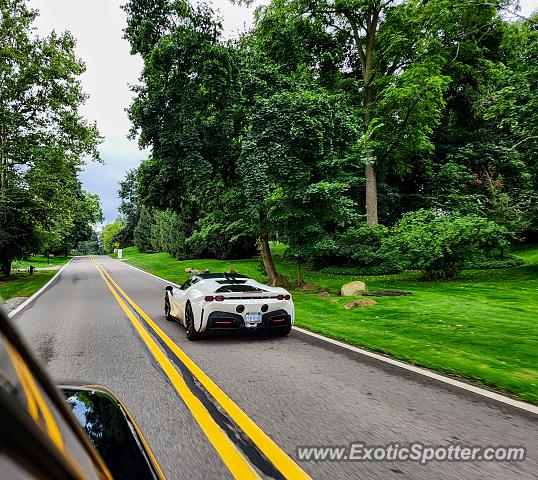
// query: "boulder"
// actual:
[[193, 271], [361, 302], [353, 288], [324, 294]]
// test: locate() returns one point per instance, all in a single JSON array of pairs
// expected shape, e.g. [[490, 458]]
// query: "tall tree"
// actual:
[[186, 107], [42, 136], [511, 104], [129, 208], [397, 53], [293, 163]]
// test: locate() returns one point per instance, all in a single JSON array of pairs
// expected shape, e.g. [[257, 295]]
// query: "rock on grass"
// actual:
[[361, 302]]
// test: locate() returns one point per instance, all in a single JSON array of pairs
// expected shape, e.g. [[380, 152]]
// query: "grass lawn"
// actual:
[[40, 261], [482, 326], [23, 284]]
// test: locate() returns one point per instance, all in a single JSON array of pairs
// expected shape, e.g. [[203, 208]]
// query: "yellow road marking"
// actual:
[[280, 459], [232, 457]]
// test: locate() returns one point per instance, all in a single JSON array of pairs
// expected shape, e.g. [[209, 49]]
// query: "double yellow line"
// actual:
[[232, 457]]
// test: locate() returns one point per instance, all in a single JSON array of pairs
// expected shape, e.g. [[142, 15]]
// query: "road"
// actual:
[[298, 390]]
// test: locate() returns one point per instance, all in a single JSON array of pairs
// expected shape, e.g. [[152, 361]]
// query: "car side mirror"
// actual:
[[112, 431], [169, 288]]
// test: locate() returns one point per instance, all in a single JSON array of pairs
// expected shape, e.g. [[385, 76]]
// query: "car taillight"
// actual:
[[287, 297], [280, 297], [211, 298]]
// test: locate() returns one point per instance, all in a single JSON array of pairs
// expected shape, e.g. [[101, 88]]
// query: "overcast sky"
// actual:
[[97, 25]]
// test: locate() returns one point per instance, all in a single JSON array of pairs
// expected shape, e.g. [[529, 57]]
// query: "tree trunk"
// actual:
[[268, 259], [3, 164], [371, 194], [299, 273], [5, 267], [365, 50]]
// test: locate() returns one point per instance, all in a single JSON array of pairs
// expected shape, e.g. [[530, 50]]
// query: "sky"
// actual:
[[98, 27]]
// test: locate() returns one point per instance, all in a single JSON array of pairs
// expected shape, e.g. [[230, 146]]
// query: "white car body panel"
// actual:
[[201, 287]]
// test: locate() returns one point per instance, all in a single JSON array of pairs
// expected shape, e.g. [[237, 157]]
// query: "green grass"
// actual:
[[40, 261], [483, 326], [23, 284]]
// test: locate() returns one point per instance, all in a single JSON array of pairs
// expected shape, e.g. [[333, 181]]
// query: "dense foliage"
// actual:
[[440, 244], [43, 140], [327, 118]]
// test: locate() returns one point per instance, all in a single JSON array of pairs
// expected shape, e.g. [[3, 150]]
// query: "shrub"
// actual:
[[439, 244], [111, 233], [488, 263], [167, 233], [215, 238], [358, 246], [142, 232], [381, 269]]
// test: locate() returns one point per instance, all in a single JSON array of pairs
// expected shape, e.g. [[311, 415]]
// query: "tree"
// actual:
[[42, 136], [186, 108], [92, 246], [128, 209], [397, 53], [142, 233], [511, 104], [111, 233], [189, 110], [293, 162], [17, 233]]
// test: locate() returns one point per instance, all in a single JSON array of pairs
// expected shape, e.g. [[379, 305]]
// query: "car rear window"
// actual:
[[238, 288]]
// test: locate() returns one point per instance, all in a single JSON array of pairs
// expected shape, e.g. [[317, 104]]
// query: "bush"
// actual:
[[439, 244], [167, 233], [358, 246], [142, 232], [213, 237], [217, 239], [381, 269], [488, 263], [111, 233]]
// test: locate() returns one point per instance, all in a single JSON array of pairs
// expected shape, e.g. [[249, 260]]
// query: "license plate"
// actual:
[[253, 318]]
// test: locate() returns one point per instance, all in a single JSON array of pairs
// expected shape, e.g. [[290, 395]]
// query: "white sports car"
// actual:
[[222, 302]]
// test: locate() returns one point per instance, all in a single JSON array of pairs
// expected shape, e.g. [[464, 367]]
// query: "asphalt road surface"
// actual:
[[298, 390]]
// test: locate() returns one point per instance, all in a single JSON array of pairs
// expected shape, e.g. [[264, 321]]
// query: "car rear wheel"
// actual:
[[167, 309], [192, 334]]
